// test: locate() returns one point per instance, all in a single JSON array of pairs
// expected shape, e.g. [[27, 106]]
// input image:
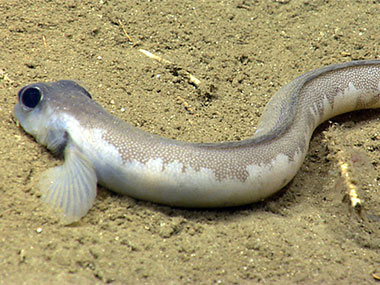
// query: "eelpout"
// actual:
[[100, 148]]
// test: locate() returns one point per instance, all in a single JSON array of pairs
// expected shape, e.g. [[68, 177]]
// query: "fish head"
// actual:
[[42, 107]]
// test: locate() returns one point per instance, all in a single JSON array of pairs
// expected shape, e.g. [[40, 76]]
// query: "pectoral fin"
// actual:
[[70, 189]]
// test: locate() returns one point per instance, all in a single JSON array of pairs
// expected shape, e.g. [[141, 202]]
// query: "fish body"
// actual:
[[100, 148]]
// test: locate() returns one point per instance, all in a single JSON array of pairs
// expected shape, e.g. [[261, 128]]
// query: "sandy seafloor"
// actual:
[[242, 52]]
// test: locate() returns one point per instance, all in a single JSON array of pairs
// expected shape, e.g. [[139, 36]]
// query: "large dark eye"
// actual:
[[30, 97]]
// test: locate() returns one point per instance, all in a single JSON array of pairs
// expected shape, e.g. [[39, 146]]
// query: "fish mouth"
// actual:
[[19, 114]]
